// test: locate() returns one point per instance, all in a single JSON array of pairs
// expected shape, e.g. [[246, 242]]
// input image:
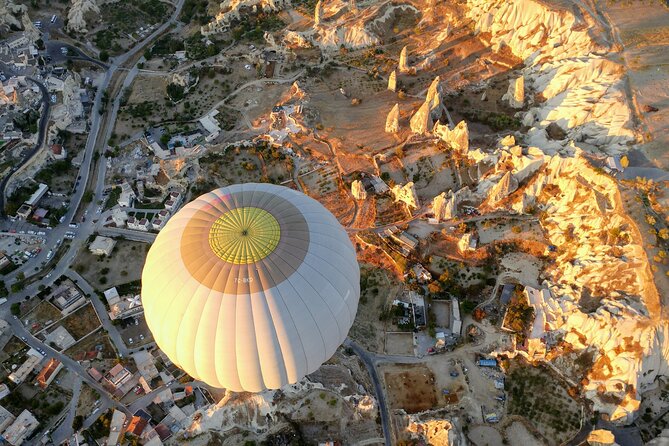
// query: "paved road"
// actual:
[[368, 360], [39, 263], [44, 119], [19, 330], [101, 310], [87, 163], [65, 430]]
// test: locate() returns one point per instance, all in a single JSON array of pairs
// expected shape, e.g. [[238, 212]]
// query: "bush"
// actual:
[[78, 422], [175, 92]]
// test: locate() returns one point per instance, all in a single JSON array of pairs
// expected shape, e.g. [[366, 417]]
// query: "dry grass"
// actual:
[[41, 314], [410, 388], [81, 322]]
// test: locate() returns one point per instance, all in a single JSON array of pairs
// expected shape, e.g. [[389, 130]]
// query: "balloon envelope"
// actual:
[[251, 286]]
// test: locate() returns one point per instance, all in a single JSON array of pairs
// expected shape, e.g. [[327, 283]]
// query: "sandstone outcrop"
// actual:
[[393, 120], [229, 10], [358, 190], [444, 206], [76, 16], [404, 61], [505, 187], [457, 139], [392, 81], [515, 95], [433, 97], [406, 194], [580, 88], [10, 14], [420, 121], [318, 13]]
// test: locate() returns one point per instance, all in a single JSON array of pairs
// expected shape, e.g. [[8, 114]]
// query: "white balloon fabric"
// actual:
[[251, 287]]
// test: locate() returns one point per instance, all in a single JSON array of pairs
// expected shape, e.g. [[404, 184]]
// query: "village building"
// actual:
[[61, 338], [95, 374], [145, 365], [32, 361], [37, 195], [139, 224], [118, 376], [102, 246], [39, 215], [127, 197], [456, 318], [421, 273], [19, 431], [58, 152], [122, 307], [6, 418], [49, 372], [117, 218], [67, 297], [24, 212], [136, 426], [116, 427], [4, 391]]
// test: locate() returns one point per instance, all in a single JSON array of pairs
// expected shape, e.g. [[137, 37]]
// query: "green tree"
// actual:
[[78, 422], [16, 309], [104, 56], [88, 196]]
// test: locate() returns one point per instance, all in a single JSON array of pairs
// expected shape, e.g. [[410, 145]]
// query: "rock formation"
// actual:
[[505, 187], [601, 437], [392, 81], [404, 61], [318, 13], [76, 17], [71, 109], [358, 190], [420, 121], [406, 194], [433, 432], [229, 10], [434, 97], [457, 139], [10, 14], [579, 86], [444, 206], [515, 95], [393, 120], [508, 141]]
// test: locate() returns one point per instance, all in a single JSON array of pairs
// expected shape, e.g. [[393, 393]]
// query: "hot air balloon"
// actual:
[[251, 287]]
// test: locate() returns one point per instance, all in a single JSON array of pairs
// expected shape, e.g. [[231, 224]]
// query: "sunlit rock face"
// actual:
[[516, 92], [420, 121], [406, 194], [393, 120], [358, 190], [580, 90], [599, 253], [230, 9], [392, 81], [457, 139], [404, 60]]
